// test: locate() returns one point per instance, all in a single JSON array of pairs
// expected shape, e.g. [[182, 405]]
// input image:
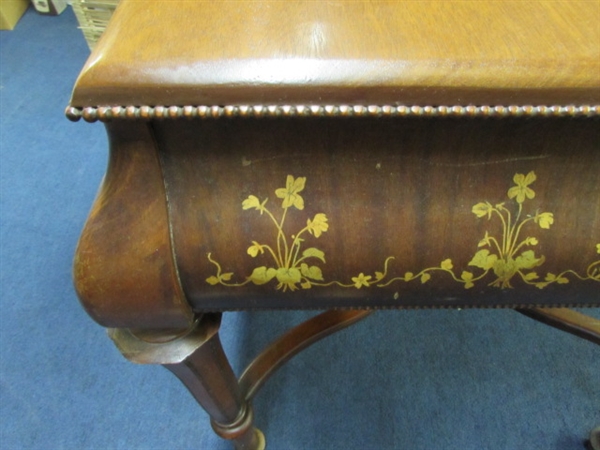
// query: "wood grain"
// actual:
[[124, 270], [401, 188], [356, 52]]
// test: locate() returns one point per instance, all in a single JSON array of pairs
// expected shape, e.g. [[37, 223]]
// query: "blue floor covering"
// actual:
[[416, 380]]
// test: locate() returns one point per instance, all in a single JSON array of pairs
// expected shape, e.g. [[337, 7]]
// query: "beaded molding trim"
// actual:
[[363, 307], [107, 113]]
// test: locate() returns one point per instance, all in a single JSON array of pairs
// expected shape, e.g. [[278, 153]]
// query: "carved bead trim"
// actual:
[[364, 307], [107, 113]]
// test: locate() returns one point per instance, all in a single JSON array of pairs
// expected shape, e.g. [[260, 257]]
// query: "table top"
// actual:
[[346, 52]]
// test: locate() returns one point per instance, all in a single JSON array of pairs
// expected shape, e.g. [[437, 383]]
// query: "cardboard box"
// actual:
[[49, 7], [10, 12]]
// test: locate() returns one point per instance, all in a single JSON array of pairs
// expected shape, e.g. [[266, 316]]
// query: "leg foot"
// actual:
[[197, 358], [594, 442], [238, 428]]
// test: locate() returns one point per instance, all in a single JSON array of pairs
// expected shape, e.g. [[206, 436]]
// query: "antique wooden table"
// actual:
[[339, 156]]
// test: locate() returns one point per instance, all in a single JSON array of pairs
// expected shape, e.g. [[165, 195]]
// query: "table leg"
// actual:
[[594, 441], [197, 358], [565, 319]]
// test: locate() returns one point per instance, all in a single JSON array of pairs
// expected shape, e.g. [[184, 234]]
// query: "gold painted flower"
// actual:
[[447, 264], [522, 189], [544, 220], [289, 193], [253, 202], [255, 249], [318, 225], [483, 209], [467, 277], [361, 280]]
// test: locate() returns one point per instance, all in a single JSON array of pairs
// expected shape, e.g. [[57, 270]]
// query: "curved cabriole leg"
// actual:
[[197, 358]]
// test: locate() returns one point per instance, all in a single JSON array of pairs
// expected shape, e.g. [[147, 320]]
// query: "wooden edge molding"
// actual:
[[107, 113]]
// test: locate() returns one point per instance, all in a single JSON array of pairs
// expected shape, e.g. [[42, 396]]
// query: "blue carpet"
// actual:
[[416, 380]]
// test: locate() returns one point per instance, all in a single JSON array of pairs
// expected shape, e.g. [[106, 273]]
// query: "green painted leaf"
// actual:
[[226, 276], [312, 272], [531, 276], [262, 275], [483, 260], [288, 276], [212, 280], [314, 252], [527, 260]]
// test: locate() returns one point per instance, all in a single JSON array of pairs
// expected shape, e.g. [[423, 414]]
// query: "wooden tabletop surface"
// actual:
[[346, 52]]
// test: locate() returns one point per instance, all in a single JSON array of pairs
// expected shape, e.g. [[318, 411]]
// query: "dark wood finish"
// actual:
[[198, 360], [124, 270], [581, 325], [402, 189], [403, 206]]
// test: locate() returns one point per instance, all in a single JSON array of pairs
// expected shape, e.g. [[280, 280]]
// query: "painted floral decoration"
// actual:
[[508, 256]]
